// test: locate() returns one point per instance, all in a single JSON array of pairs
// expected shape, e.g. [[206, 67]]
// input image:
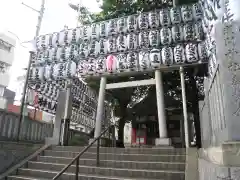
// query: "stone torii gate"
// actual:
[[158, 82]]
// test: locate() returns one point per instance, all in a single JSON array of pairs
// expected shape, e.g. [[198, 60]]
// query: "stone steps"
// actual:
[[153, 151], [154, 165], [115, 164], [103, 171], [112, 156], [35, 174]]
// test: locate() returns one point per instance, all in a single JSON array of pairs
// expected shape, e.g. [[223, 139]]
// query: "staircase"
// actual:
[[115, 164]]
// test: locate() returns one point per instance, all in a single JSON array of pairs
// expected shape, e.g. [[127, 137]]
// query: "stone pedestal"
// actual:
[[163, 142], [57, 131], [104, 142]]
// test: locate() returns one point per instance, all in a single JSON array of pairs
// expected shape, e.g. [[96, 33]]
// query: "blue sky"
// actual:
[[21, 22]]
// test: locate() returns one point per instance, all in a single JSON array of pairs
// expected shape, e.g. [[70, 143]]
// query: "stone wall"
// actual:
[[31, 130], [13, 153], [220, 162]]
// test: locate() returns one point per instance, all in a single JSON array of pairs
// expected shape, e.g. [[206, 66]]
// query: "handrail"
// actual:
[[81, 153]]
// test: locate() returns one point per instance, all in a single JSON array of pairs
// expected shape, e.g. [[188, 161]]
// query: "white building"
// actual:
[[7, 46]]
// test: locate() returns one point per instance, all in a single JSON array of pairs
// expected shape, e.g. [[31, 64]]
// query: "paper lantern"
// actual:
[[46, 41], [93, 48], [166, 36], [122, 62], [154, 39], [177, 34], [132, 41], [112, 27], [132, 23], [153, 19], [197, 11], [202, 51], [143, 40], [175, 14], [189, 32], [86, 32], [122, 43], [63, 37], [144, 62], [165, 19], [48, 72], [90, 66], [79, 35], [132, 61], [103, 46], [187, 13], [53, 54], [121, 25], [111, 63], [40, 58], [143, 21], [103, 29], [71, 52], [81, 67], [60, 55], [70, 69], [94, 31], [191, 53], [199, 34], [55, 37], [101, 64], [155, 58], [83, 50], [46, 55], [112, 44], [167, 56], [38, 73], [179, 54], [58, 71]]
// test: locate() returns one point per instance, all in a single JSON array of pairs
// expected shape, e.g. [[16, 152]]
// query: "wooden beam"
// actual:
[[131, 84]]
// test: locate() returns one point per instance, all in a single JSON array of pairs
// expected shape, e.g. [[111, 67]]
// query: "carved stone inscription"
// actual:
[[228, 54]]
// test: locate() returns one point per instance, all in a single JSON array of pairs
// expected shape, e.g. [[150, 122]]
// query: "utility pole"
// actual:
[[40, 17]]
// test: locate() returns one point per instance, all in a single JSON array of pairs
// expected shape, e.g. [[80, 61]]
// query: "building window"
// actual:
[[4, 67], [5, 46]]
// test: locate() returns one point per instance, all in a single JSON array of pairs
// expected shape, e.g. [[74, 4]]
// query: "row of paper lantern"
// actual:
[[84, 107], [155, 58], [143, 40], [53, 72], [49, 89], [191, 53], [132, 23], [44, 103], [79, 88], [82, 118]]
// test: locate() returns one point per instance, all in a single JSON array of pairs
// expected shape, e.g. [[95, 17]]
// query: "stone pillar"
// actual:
[[184, 103], [163, 140], [57, 131], [100, 107]]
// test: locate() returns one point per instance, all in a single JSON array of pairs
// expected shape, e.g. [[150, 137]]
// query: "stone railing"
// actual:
[[31, 130]]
